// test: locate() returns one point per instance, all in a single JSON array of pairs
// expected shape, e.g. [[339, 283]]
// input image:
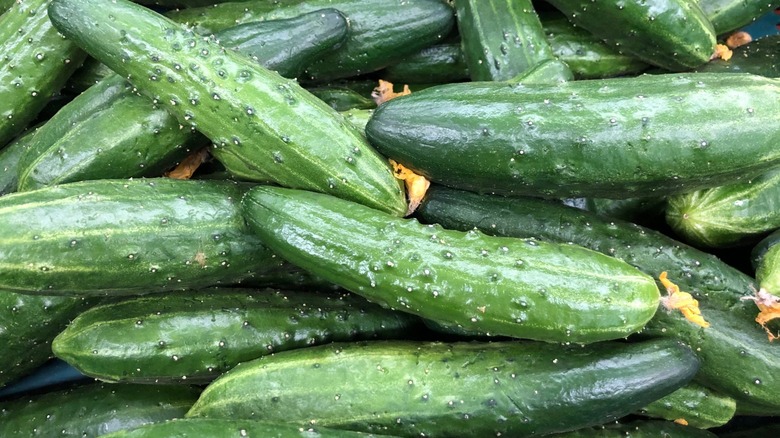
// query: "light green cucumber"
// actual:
[[502, 286], [766, 260], [700, 407], [257, 120], [638, 429]]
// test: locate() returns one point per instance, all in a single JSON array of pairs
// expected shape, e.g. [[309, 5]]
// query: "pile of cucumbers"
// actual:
[[205, 209]]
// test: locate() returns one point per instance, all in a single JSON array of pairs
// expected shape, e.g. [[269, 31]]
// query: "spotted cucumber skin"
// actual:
[[730, 15], [672, 34], [10, 156], [126, 237], [600, 138], [94, 409], [216, 329], [701, 407], [257, 120], [512, 287], [760, 57], [381, 32], [437, 64], [36, 62], [436, 389], [639, 429]]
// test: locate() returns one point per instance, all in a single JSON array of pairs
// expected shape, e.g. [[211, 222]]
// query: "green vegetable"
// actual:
[[759, 57], [638, 429], [437, 64], [342, 98], [730, 15], [10, 156], [700, 407]]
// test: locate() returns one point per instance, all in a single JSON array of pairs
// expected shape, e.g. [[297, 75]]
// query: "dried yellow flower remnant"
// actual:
[[384, 92], [682, 301], [416, 185], [189, 165], [682, 421], [738, 39], [722, 52], [769, 309]]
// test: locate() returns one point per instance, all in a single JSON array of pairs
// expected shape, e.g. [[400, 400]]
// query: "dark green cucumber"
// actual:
[[434, 389], [36, 62], [28, 324], [437, 64], [672, 34], [547, 71], [502, 286], [126, 237], [90, 73], [730, 215], [700, 407], [760, 57], [342, 98], [94, 409], [226, 428], [638, 429], [500, 38], [257, 120], [133, 340], [6, 5], [612, 138], [730, 15], [9, 161], [637, 210], [381, 32]]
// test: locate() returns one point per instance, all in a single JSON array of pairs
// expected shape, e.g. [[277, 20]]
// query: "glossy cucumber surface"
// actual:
[[699, 406], [729, 15], [760, 57]]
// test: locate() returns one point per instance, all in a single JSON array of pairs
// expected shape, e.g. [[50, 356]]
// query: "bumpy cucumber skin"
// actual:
[[437, 64], [547, 71], [10, 156], [672, 34], [216, 329], [126, 237], [342, 98], [36, 63], [729, 15], [727, 216], [28, 323], [381, 32], [435, 389], [501, 38], [760, 57], [512, 287], [768, 270], [611, 138], [94, 409], [639, 429], [701, 407], [257, 119]]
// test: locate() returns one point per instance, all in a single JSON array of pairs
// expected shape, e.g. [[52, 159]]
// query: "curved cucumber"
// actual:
[[126, 237], [381, 32], [760, 57], [94, 409], [503, 286], [36, 63], [613, 138], [672, 34], [729, 215], [257, 119], [435, 389], [215, 329], [700, 407], [729, 15]]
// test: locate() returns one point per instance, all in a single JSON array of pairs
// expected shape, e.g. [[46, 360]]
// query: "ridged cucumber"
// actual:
[[36, 63], [729, 215], [256, 119], [512, 287], [729, 15], [435, 389], [215, 329], [126, 237], [638, 429], [700, 407], [381, 32], [672, 34], [760, 57], [95, 409], [612, 138]]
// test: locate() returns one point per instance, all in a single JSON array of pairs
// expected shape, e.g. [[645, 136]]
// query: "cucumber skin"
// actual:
[[639, 429], [93, 409], [495, 285], [730, 15], [701, 407], [254, 116], [560, 140], [760, 57], [216, 329], [381, 32], [437, 64], [131, 237], [734, 350], [731, 215], [672, 34], [435, 389], [10, 156], [768, 267], [28, 80]]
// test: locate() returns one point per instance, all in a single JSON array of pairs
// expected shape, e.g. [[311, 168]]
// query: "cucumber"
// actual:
[[672, 34], [6, 5], [342, 98], [358, 117], [225, 428], [90, 73], [700, 407], [9, 161], [767, 256], [126, 237], [730, 215], [381, 32], [94, 409], [636, 210], [435, 389], [638, 429], [111, 132], [760, 57], [215, 329], [257, 119], [512, 287], [36, 63], [437, 64], [730, 15], [500, 38], [611, 138]]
